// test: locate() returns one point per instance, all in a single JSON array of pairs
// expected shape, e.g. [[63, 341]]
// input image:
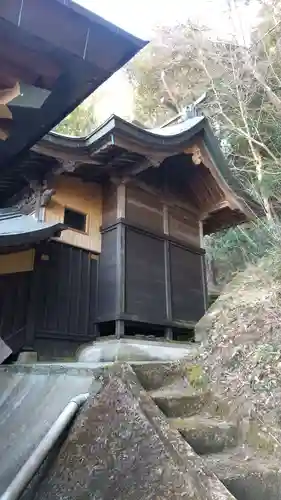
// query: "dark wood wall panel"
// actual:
[[14, 296], [145, 277], [66, 282], [143, 209], [184, 226], [186, 284], [107, 287], [109, 204]]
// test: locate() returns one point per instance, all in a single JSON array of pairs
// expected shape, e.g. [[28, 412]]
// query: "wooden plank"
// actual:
[[85, 298], [83, 197], [121, 201], [187, 285], [109, 204], [119, 328], [67, 289], [168, 290], [167, 197], [63, 285], [145, 277], [144, 208], [184, 226], [14, 294], [120, 269], [18, 262], [107, 275], [165, 219], [74, 297], [92, 306], [33, 304]]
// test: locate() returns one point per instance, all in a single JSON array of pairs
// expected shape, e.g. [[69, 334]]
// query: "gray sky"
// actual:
[[139, 17]]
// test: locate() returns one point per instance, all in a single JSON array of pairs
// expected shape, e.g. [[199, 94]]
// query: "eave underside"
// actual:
[[52, 56]]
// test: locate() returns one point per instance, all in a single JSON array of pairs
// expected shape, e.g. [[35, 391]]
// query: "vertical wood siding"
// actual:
[[107, 283], [66, 284], [145, 277], [186, 284], [14, 296]]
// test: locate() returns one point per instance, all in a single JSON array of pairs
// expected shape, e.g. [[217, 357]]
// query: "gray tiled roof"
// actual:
[[18, 229]]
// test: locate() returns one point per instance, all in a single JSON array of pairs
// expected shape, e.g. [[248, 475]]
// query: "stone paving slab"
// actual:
[[121, 447]]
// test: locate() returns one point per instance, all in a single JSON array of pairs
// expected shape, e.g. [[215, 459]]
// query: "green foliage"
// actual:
[[80, 122], [233, 249], [197, 377], [167, 74]]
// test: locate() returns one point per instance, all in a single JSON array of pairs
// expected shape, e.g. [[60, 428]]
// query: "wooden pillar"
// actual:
[[121, 201], [169, 333], [167, 263], [120, 254], [119, 328], [32, 307], [203, 267]]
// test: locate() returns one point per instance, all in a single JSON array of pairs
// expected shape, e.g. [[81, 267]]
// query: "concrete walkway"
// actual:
[[31, 398]]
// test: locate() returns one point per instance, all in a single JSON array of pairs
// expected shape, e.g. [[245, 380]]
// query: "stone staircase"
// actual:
[[201, 418], [205, 422]]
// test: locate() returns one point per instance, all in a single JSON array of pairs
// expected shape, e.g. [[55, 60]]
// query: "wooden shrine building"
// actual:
[[111, 239], [98, 235], [53, 54]]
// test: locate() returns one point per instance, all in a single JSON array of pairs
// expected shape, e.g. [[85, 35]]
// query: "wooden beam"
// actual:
[[169, 333], [119, 328], [196, 153], [164, 198], [215, 208], [136, 147], [121, 201], [67, 93], [229, 196], [23, 60], [165, 219]]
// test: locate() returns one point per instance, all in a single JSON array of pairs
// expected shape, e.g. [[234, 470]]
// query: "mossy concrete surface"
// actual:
[[181, 404], [207, 435], [121, 447], [248, 475], [155, 375]]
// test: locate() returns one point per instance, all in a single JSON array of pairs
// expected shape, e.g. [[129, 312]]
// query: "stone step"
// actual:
[[247, 474], [206, 435], [154, 375], [181, 403]]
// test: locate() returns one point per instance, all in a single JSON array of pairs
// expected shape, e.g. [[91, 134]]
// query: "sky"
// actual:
[[139, 17]]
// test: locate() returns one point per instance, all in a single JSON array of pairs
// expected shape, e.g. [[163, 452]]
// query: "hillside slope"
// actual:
[[241, 348]]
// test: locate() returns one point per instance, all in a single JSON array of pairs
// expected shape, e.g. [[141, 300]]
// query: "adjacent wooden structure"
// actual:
[[137, 204], [53, 54]]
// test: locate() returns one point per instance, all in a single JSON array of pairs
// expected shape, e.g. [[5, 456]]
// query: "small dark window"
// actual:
[[75, 220]]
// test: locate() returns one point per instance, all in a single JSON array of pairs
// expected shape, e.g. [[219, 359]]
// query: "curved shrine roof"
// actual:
[[156, 143], [17, 229], [119, 148]]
